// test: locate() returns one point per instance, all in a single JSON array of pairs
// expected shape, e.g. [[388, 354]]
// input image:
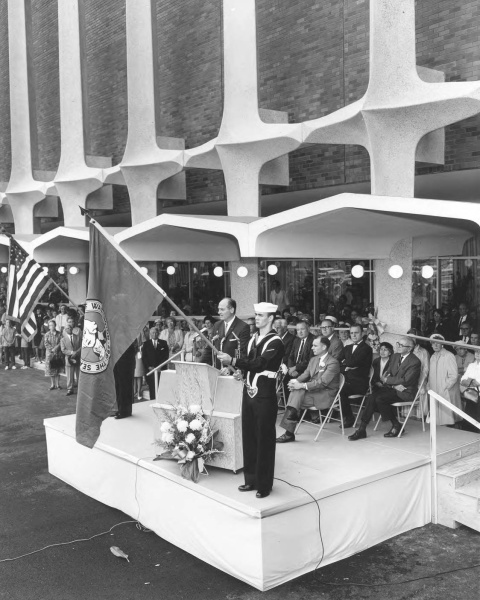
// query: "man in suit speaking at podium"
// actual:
[[259, 404], [230, 334]]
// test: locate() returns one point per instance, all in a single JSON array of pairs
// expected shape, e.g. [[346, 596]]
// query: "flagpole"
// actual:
[[150, 280], [64, 293]]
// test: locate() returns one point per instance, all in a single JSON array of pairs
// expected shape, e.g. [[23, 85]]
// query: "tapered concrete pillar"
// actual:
[[245, 289], [393, 297]]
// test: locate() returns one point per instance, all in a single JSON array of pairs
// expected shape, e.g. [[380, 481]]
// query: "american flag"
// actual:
[[27, 282]]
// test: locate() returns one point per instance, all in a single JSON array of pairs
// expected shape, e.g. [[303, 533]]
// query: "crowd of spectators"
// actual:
[[351, 333]]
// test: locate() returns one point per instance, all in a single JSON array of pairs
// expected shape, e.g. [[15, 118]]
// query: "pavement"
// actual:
[[37, 510]]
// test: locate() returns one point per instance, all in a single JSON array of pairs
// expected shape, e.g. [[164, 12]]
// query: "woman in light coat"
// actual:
[[443, 380]]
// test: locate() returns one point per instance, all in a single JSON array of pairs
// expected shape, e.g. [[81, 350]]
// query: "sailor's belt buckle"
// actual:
[[252, 391]]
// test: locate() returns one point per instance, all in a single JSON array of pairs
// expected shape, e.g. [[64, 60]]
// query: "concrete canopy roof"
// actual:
[[186, 238], [354, 225]]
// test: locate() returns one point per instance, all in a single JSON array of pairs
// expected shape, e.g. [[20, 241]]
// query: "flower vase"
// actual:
[[190, 470]]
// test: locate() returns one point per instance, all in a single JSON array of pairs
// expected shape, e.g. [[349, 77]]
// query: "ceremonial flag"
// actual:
[[120, 300], [27, 281]]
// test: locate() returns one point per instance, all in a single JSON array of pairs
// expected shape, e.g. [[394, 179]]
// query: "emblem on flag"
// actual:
[[96, 350]]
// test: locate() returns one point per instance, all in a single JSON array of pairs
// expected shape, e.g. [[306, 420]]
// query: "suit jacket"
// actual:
[[406, 373], [322, 383], [336, 348], [376, 369], [359, 362], [69, 349], [152, 357], [228, 344], [302, 363], [287, 340]]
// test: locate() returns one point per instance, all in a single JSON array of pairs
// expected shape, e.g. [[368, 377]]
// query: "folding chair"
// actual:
[[355, 396], [336, 404], [280, 391], [398, 405]]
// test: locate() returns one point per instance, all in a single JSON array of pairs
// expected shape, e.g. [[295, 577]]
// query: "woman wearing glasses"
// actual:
[[443, 379]]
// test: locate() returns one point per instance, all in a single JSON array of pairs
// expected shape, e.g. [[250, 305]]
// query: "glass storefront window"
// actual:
[[424, 293], [313, 287], [196, 287]]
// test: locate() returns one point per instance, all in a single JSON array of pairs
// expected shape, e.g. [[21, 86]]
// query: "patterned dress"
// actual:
[[52, 349]]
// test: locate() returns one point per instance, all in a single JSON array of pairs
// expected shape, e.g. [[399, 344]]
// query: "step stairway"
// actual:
[[458, 492]]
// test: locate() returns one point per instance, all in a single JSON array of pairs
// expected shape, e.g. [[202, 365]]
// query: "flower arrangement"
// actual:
[[187, 435]]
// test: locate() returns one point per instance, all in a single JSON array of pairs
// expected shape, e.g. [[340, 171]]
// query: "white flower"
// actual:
[[167, 438], [195, 425], [165, 427], [190, 438], [190, 455], [182, 425], [200, 448], [194, 409]]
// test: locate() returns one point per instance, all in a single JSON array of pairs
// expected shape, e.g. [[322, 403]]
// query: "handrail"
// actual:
[[164, 363], [434, 397]]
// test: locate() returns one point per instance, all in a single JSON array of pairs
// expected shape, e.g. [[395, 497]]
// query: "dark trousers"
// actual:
[[259, 415], [381, 401], [9, 355], [123, 373], [351, 389], [151, 385]]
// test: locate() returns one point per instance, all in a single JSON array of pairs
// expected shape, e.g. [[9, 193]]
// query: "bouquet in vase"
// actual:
[[188, 436]]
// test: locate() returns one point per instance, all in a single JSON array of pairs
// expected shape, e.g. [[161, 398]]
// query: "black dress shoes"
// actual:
[[394, 431], [246, 487], [360, 434], [347, 423], [119, 416], [260, 494], [286, 437], [69, 393]]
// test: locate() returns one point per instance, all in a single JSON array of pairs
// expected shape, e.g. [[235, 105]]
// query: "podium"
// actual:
[[220, 396]]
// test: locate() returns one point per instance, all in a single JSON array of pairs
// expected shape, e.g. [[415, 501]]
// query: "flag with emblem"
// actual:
[[27, 281], [120, 300]]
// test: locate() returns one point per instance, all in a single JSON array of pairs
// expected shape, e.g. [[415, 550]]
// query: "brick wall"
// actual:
[[313, 58]]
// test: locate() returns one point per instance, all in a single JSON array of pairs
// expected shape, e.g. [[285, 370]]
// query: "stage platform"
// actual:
[[368, 491]]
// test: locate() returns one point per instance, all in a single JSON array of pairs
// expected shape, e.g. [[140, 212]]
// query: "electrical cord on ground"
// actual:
[[138, 525], [368, 585]]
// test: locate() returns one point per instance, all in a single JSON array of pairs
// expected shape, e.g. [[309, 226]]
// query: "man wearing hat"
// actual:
[[259, 406], [316, 387]]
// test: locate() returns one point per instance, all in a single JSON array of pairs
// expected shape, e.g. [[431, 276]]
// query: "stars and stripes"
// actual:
[[27, 282]]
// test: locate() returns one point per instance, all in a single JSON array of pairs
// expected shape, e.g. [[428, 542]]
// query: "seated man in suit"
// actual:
[[317, 386], [336, 345], [230, 334], [300, 353], [356, 368], [400, 384], [154, 353]]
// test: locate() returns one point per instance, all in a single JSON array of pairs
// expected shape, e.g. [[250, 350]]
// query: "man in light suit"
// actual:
[[317, 386], [230, 334], [400, 384], [71, 346], [154, 353]]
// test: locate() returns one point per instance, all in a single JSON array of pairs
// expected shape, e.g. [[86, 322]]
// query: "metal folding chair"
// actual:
[[399, 405], [335, 405], [355, 396]]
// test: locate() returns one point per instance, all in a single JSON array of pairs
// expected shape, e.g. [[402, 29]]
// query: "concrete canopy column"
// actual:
[[245, 289], [145, 165], [393, 297]]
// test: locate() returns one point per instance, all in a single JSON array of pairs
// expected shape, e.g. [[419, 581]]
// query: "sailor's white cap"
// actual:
[[265, 307]]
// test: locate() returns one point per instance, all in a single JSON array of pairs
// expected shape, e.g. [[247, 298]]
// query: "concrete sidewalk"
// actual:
[[37, 510]]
